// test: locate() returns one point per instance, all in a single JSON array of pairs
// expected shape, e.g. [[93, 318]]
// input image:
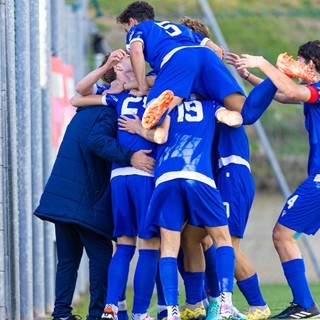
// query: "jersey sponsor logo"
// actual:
[[283, 213]]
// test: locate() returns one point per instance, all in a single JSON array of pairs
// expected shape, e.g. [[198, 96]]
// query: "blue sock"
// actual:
[[193, 283], [225, 261], [180, 261], [122, 307], [258, 101], [118, 272], [123, 315], [212, 281], [160, 295], [169, 279], [251, 291], [294, 272], [143, 284]]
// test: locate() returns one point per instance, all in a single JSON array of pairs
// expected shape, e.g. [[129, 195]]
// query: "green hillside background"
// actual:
[[256, 27]]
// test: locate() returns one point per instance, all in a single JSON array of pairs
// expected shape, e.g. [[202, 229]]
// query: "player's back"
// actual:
[[127, 104], [231, 145], [161, 37], [188, 149]]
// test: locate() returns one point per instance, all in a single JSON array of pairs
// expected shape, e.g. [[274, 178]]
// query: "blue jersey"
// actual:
[[186, 154], [301, 210], [231, 146], [312, 124], [99, 88], [183, 172], [181, 61], [127, 104], [159, 38], [129, 203], [233, 177]]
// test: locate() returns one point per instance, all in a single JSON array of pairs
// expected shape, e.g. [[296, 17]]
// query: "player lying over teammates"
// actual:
[[184, 64]]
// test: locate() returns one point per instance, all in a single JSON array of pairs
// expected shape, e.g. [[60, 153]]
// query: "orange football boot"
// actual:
[[295, 69], [156, 109]]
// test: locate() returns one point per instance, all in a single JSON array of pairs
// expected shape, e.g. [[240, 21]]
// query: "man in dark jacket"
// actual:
[[77, 199]]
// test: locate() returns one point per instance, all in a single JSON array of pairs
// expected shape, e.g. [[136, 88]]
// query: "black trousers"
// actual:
[[71, 239]]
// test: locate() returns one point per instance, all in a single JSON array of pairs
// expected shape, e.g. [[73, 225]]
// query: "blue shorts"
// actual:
[[131, 195], [236, 186], [301, 212], [177, 201], [209, 76]]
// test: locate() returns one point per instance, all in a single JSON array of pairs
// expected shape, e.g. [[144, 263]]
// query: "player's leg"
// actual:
[[143, 285], [170, 244], [208, 210], [248, 283], [295, 273], [193, 274], [167, 195], [299, 213], [255, 104], [118, 275], [173, 83], [122, 307], [149, 247], [125, 231], [237, 191], [162, 308], [211, 279]]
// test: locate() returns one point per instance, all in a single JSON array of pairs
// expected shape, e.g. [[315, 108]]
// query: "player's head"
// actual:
[[124, 66], [196, 25], [110, 75], [310, 51], [137, 12]]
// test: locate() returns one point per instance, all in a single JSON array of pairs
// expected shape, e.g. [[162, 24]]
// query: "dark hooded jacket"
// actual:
[[78, 189]]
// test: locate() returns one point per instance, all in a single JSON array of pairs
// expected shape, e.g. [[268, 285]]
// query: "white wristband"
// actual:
[[103, 99]]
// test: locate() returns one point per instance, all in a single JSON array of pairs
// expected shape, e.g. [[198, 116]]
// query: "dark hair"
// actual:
[[311, 51], [110, 75], [139, 10], [196, 25]]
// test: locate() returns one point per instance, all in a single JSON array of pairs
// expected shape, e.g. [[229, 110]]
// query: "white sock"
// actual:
[[138, 316], [122, 305], [173, 311], [205, 303], [218, 298], [226, 297]]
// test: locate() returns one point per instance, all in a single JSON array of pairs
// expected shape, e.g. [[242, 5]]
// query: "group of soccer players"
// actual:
[[200, 193]]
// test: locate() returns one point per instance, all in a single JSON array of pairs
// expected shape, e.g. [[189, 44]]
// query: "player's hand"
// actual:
[[230, 118], [248, 61], [114, 58], [142, 161], [128, 124], [139, 93], [232, 58]]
